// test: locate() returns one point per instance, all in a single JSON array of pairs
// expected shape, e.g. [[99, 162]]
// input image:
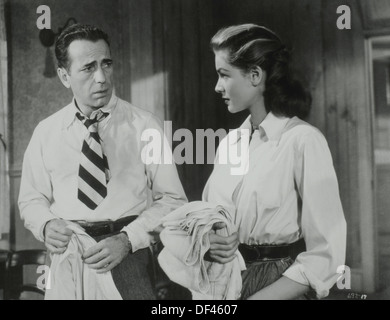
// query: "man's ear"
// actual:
[[64, 77], [256, 75]]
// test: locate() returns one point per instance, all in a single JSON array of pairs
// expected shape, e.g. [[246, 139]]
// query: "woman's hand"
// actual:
[[222, 249]]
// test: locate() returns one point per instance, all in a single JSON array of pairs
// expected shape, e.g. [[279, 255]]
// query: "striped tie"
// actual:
[[94, 173]]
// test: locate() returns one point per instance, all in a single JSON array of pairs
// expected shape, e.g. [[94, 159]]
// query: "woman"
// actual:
[[290, 190]]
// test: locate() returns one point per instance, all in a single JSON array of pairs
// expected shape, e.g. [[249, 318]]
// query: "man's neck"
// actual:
[[87, 111]]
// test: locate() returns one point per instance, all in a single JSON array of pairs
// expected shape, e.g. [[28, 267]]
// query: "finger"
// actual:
[[54, 250], [93, 250], [228, 246], [230, 249], [219, 225], [222, 254], [96, 258], [61, 227], [223, 241], [108, 267], [58, 236], [103, 263], [57, 243], [221, 260], [67, 231]]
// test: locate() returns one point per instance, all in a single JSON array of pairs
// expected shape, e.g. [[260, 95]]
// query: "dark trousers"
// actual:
[[132, 276]]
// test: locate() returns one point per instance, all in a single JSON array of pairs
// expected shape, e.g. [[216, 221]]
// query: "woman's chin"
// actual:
[[233, 109]]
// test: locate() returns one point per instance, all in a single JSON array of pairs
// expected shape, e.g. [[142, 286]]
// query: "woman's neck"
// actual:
[[258, 112]]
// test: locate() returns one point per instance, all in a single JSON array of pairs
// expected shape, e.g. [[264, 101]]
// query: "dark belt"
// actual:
[[102, 228], [252, 253]]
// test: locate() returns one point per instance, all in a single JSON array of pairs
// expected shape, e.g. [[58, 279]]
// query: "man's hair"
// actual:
[[72, 33]]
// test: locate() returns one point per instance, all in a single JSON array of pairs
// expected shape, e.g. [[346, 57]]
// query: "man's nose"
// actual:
[[100, 77]]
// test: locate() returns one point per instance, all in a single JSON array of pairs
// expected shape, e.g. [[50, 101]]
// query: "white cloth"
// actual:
[[50, 169], [290, 191], [185, 239], [71, 279]]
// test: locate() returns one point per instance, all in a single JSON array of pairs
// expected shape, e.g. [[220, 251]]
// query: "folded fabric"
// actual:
[[186, 241], [72, 279]]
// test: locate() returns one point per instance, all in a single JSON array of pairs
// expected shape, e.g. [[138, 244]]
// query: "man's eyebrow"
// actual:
[[107, 60], [90, 64], [222, 70]]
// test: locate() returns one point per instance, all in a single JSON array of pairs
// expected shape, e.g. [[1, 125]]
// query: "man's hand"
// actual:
[[57, 236], [222, 249], [108, 253]]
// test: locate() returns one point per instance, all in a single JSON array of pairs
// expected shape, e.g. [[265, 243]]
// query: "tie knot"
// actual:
[[91, 123]]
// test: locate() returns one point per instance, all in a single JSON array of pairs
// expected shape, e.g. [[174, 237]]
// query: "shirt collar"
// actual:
[[272, 127], [70, 115]]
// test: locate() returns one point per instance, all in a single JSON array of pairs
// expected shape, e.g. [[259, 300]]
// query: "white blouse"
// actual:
[[289, 191]]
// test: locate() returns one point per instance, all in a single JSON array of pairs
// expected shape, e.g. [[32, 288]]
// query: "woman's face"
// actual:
[[235, 87]]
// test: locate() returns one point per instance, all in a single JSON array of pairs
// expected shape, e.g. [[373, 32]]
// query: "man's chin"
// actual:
[[100, 103]]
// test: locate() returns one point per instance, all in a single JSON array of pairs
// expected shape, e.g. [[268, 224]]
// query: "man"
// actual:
[[83, 165]]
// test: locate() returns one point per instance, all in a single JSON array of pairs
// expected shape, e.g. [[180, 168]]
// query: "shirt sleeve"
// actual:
[[35, 194], [322, 221], [167, 193]]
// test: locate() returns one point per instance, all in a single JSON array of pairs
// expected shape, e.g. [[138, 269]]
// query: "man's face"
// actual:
[[90, 73]]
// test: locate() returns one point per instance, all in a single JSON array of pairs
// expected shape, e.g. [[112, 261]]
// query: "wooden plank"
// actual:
[[161, 76], [141, 53], [210, 109], [173, 66], [307, 54], [191, 53], [376, 14], [360, 149], [121, 52], [337, 79], [348, 133]]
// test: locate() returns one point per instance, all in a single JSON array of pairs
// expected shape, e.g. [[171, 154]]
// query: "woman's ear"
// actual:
[[64, 77], [256, 76]]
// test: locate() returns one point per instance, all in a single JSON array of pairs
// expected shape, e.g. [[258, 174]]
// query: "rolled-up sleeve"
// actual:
[[322, 221], [35, 194], [167, 193]]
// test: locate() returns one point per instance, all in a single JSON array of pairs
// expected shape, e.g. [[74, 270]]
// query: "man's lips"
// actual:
[[101, 91]]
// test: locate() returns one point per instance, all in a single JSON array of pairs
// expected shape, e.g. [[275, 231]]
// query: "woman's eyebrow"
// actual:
[[222, 70]]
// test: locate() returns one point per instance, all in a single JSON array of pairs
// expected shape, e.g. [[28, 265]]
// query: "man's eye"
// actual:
[[107, 64], [88, 69]]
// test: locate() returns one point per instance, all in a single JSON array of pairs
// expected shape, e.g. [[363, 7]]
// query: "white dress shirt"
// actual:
[[290, 191], [50, 173]]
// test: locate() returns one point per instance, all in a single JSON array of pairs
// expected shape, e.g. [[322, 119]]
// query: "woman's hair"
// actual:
[[250, 45]]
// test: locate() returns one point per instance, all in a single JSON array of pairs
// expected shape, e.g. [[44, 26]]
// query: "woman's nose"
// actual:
[[218, 87]]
